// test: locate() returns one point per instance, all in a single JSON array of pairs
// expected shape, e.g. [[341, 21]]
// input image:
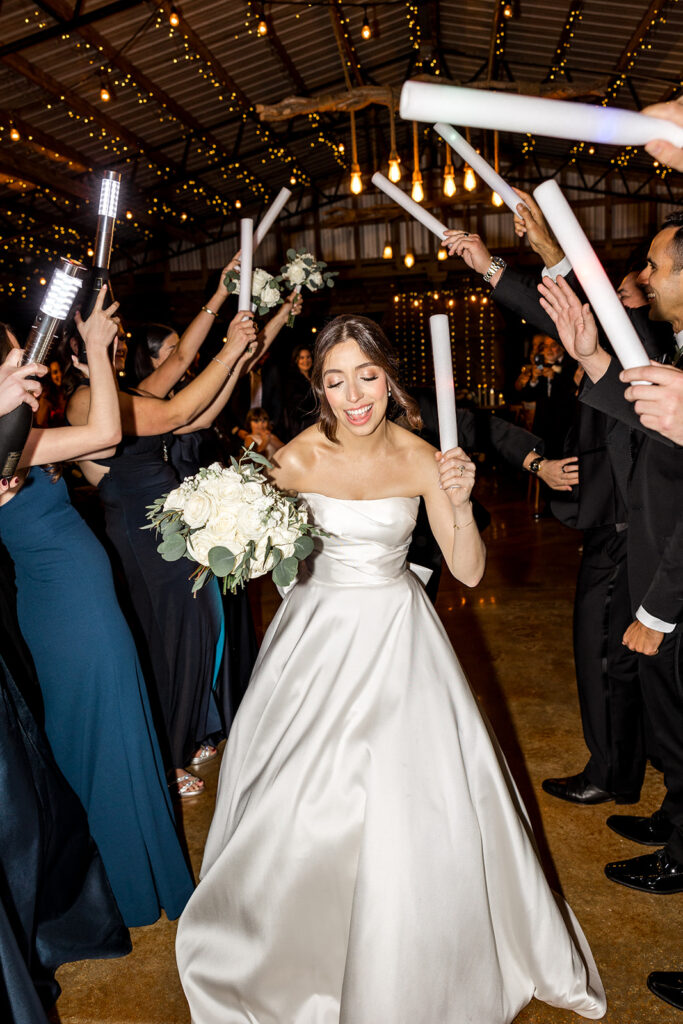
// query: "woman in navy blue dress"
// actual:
[[181, 634], [97, 715]]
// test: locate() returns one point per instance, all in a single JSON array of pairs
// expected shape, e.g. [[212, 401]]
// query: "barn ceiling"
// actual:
[[183, 122]]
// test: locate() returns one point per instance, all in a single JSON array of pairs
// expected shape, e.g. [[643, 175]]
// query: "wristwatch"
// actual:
[[535, 464], [497, 263]]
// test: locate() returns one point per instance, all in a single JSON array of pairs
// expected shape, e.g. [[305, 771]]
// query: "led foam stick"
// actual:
[[591, 273], [481, 108], [246, 261], [54, 310], [106, 219], [443, 378], [270, 216], [479, 165], [410, 206]]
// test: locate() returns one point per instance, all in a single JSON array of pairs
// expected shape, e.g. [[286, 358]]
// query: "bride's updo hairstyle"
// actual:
[[375, 345]]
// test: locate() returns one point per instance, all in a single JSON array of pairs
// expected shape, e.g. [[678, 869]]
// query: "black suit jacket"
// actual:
[[651, 469], [597, 501]]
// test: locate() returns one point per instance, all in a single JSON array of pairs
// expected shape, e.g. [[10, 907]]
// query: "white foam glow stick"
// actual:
[[479, 165], [443, 378], [561, 119], [410, 206], [246, 261], [269, 217], [591, 273]]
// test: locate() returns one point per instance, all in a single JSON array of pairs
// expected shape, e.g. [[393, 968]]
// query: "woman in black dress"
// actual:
[[180, 636]]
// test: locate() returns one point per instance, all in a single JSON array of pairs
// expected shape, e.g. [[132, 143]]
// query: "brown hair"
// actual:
[[374, 344], [256, 413]]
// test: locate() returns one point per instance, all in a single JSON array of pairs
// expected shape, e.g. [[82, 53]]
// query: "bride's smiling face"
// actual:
[[355, 388]]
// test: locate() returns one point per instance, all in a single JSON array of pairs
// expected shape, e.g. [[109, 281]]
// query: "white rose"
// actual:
[[270, 296], [227, 489], [315, 281], [260, 565], [252, 491], [198, 509], [259, 281], [174, 501], [200, 543], [249, 521], [296, 273], [225, 528]]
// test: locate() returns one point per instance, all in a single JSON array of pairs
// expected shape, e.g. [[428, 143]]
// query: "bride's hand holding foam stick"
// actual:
[[456, 477]]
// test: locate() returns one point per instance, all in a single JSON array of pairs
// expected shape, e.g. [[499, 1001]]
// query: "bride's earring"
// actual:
[[388, 392]]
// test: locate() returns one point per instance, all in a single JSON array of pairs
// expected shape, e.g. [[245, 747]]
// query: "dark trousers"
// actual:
[[662, 686], [606, 671]]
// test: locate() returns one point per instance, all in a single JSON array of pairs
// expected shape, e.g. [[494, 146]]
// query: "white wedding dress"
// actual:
[[369, 861]]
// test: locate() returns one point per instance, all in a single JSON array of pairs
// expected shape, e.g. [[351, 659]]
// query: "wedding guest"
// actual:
[[606, 672], [666, 152], [300, 404], [97, 715], [258, 431], [652, 471], [182, 634], [659, 408], [53, 399]]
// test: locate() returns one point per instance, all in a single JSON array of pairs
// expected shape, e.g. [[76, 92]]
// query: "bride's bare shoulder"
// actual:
[[293, 464], [416, 457]]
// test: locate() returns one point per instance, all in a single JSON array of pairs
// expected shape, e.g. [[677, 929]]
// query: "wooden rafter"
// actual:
[[568, 28], [45, 144], [344, 44], [59, 183], [282, 55], [493, 60], [61, 9], [75, 21], [654, 8]]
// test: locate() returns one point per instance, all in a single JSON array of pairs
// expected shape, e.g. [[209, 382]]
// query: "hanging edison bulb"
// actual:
[[495, 199], [442, 254], [409, 259], [417, 192], [449, 188], [387, 252], [14, 134], [366, 31], [356, 180], [394, 167], [174, 17], [470, 179]]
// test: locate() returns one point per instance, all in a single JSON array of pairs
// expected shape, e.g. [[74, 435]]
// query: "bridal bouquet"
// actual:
[[265, 289], [303, 269], [233, 524]]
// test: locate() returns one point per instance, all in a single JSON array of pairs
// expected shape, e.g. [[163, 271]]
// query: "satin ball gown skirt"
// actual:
[[370, 861]]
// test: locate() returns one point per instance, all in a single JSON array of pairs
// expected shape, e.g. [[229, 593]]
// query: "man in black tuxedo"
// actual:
[[651, 472], [606, 672]]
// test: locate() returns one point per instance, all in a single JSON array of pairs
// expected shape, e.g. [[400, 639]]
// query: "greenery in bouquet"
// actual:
[[233, 524], [304, 270], [266, 292]]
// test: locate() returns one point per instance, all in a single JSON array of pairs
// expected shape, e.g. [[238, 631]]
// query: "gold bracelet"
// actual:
[[463, 525], [207, 309], [230, 369]]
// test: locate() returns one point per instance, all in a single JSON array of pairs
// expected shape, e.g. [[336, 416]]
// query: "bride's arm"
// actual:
[[446, 490]]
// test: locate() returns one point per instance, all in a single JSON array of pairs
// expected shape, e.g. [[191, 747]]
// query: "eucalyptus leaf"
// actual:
[[291, 254], [275, 557], [172, 548], [174, 526], [221, 561], [285, 572], [200, 580], [303, 546]]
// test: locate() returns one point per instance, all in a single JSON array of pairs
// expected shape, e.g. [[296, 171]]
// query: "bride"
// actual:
[[369, 861]]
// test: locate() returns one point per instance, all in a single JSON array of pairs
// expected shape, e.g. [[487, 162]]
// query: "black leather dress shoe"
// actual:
[[655, 872], [580, 790], [653, 831], [668, 985]]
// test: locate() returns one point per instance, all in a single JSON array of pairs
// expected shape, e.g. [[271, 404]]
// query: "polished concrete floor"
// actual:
[[513, 636]]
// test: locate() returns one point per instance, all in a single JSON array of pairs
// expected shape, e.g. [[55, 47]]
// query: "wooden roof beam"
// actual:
[[347, 50], [60, 9], [74, 21], [653, 10], [573, 15], [45, 144]]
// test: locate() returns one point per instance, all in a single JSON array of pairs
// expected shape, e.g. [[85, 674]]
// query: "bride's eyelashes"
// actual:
[[340, 382]]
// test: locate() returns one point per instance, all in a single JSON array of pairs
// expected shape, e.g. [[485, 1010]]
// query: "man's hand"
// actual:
[[469, 248], [660, 149], [530, 221], [575, 324], [642, 639], [660, 407], [560, 474]]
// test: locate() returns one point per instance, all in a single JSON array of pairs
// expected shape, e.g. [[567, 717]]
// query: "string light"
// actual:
[[174, 17], [14, 134], [129, 214], [442, 254], [495, 198], [238, 202], [417, 191], [366, 31], [508, 11], [105, 88], [262, 27]]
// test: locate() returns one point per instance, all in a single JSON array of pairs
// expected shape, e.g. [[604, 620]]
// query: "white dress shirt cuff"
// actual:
[[652, 623], [560, 269]]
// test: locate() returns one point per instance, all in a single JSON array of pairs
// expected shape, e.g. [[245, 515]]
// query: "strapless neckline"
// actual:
[[357, 501]]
